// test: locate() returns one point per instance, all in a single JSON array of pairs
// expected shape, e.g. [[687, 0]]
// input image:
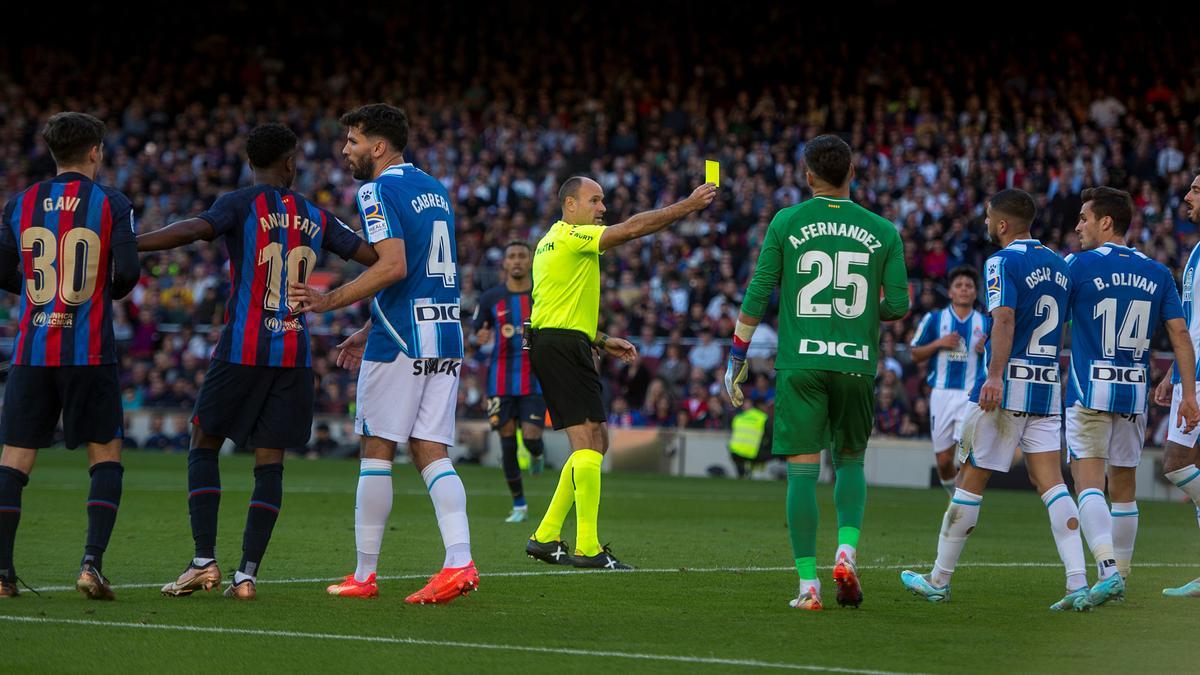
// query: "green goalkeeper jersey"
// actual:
[[831, 257]]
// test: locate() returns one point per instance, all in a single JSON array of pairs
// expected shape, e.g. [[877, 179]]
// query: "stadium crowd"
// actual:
[[936, 129]]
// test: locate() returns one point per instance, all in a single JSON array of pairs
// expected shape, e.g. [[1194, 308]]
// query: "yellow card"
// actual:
[[712, 172]]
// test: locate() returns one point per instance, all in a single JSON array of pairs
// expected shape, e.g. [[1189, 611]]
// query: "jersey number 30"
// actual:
[[78, 254], [836, 271]]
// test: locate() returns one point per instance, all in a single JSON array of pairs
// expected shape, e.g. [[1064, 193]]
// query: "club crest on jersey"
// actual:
[[54, 320], [507, 330], [275, 325]]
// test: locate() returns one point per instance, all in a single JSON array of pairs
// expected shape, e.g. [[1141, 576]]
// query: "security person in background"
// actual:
[[566, 307], [749, 428]]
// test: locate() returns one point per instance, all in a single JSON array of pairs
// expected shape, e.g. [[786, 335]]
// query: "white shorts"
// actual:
[[990, 439], [408, 398], [1175, 434], [1095, 434], [947, 410]]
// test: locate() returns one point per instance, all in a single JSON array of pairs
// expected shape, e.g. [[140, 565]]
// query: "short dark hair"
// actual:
[[518, 242], [570, 188], [380, 119], [70, 135], [1111, 202], [1016, 204], [828, 158], [964, 271], [268, 143]]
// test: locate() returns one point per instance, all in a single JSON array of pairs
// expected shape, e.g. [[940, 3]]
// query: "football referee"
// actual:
[[566, 308]]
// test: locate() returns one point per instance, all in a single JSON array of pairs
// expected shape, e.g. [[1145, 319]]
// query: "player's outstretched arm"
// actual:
[[391, 267], [178, 233], [126, 268], [1004, 320], [650, 222], [1185, 357]]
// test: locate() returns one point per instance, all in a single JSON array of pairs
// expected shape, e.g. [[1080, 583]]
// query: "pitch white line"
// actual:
[[703, 660], [640, 570]]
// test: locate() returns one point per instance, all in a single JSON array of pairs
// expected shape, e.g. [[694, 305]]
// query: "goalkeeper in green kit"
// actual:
[[831, 257]]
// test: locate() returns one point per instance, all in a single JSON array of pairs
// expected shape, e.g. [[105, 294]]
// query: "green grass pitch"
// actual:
[[710, 595]]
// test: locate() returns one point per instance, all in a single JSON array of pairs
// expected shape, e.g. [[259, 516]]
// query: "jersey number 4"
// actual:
[[440, 262], [836, 271], [79, 255]]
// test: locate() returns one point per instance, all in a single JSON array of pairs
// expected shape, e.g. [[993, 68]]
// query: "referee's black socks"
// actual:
[[103, 501], [261, 516], [535, 446], [12, 482]]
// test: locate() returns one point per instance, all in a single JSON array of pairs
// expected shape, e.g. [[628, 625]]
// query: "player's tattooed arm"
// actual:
[[178, 233]]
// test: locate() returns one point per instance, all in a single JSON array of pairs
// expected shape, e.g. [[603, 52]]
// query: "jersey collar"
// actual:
[[835, 199], [397, 169], [1035, 242]]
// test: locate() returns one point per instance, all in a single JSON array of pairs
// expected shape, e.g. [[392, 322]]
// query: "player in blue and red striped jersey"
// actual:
[[258, 391], [67, 247], [513, 391]]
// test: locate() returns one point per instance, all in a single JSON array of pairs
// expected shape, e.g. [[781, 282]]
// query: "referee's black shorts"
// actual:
[[562, 360]]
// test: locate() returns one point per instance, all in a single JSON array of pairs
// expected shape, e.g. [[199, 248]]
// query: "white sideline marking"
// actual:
[[640, 570], [706, 660]]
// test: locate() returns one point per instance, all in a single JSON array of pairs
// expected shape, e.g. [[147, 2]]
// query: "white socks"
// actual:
[[1064, 524], [371, 509], [1097, 524], [1188, 480], [1124, 534], [948, 486], [450, 506], [960, 519]]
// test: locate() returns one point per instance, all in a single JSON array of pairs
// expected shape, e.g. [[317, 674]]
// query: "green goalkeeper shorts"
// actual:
[[820, 409]]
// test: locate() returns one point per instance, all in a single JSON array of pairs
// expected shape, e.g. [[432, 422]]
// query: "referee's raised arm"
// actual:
[[650, 222]]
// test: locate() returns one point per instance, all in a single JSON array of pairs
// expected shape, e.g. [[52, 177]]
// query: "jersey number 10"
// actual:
[[300, 262]]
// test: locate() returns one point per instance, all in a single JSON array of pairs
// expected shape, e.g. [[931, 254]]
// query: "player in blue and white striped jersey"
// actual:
[[1180, 459], [952, 340], [1118, 297], [1019, 403]]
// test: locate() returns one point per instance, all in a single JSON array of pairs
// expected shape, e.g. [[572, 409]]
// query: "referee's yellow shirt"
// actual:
[[566, 279]]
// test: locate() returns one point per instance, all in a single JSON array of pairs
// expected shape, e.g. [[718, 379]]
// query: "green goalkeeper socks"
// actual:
[[802, 516], [849, 496]]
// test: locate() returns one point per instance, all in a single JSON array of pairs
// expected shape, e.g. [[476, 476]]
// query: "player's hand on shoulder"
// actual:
[[990, 394], [622, 349], [702, 196], [305, 298]]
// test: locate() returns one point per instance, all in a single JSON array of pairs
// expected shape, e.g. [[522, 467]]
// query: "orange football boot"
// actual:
[[355, 589], [447, 585]]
